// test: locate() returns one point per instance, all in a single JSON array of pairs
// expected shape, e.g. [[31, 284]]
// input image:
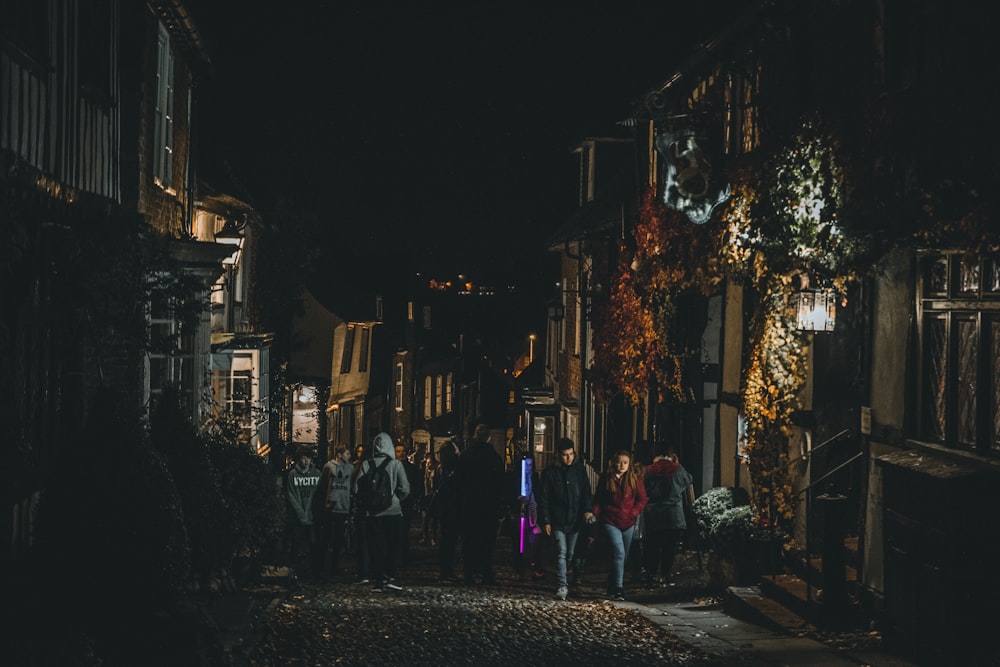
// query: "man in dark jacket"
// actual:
[[479, 487], [564, 506]]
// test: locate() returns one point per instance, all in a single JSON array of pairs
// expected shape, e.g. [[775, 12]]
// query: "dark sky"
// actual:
[[434, 134]]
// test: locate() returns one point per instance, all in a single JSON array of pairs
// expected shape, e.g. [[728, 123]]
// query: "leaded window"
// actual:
[[959, 303]]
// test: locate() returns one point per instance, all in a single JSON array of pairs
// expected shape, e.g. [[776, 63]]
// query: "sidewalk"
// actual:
[[710, 629]]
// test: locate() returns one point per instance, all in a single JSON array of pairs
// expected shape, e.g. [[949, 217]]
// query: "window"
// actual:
[[366, 335], [171, 353], [960, 352], [164, 127], [398, 382], [428, 397], [439, 394], [448, 393], [348, 353]]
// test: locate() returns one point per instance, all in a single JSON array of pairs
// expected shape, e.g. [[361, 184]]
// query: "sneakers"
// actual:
[[617, 594], [362, 581], [561, 593], [392, 585]]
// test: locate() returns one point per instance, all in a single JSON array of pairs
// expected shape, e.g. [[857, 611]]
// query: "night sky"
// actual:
[[433, 136]]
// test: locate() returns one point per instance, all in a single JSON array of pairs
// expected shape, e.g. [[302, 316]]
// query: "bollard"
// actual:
[[835, 601]]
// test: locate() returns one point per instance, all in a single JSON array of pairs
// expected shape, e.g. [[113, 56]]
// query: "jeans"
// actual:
[[619, 540], [384, 534], [565, 546]]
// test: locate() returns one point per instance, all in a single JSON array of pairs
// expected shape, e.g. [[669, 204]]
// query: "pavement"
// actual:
[[688, 611]]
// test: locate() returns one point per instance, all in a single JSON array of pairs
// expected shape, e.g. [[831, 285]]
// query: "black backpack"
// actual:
[[375, 488]]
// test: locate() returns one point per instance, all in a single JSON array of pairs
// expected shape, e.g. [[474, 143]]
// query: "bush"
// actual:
[[732, 531], [711, 505]]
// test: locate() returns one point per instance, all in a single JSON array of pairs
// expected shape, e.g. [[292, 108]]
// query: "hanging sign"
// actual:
[[692, 184]]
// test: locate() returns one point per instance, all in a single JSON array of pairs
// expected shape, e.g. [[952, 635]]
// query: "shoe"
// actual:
[[561, 593], [362, 581], [379, 587], [447, 580], [393, 586], [619, 596]]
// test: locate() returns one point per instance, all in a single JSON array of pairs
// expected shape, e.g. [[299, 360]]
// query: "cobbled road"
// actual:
[[337, 622]]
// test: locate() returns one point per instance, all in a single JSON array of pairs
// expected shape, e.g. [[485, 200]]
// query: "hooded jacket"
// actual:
[[384, 448], [666, 481], [337, 483], [300, 487]]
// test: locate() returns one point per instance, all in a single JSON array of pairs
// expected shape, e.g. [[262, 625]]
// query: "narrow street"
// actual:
[[517, 621]]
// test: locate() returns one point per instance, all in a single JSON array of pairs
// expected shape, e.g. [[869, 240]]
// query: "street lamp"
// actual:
[[231, 234], [531, 348]]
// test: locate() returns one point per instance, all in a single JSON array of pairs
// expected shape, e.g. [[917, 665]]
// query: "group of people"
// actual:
[[626, 493], [460, 497]]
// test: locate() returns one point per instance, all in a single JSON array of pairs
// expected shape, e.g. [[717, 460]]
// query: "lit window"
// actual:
[[440, 394], [164, 124], [366, 335], [348, 353], [398, 381], [448, 393], [428, 397]]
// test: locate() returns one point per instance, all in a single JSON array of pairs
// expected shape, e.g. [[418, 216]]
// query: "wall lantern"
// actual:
[[231, 234], [556, 310], [817, 310]]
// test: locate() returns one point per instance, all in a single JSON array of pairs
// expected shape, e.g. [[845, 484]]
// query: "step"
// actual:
[[748, 603], [806, 600]]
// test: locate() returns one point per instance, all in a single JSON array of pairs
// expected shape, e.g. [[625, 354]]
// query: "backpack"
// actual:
[[375, 491]]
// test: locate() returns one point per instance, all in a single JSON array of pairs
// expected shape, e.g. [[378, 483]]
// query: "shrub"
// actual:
[[711, 505], [732, 531]]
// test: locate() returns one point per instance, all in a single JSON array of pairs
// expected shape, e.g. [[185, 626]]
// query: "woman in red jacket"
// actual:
[[620, 498]]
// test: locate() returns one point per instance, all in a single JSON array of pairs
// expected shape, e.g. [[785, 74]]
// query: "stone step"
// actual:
[[750, 604]]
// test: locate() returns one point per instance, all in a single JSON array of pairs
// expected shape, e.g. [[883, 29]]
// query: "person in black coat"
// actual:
[[564, 507], [479, 485]]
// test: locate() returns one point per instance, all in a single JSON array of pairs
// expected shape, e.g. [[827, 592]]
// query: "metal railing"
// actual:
[[806, 490]]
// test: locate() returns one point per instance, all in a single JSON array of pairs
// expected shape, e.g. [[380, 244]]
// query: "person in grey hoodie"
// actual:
[[335, 482], [384, 528]]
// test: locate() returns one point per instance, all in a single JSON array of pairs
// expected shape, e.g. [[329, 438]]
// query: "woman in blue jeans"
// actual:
[[620, 499]]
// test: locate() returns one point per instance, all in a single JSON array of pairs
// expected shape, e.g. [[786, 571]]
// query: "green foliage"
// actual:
[[711, 505], [731, 531], [248, 484], [206, 512]]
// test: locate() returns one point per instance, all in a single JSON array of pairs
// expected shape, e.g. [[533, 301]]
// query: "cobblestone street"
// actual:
[[515, 621]]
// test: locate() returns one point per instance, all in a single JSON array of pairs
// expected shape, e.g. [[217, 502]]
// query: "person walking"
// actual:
[[411, 504], [335, 484], [384, 524], [564, 507], [669, 487], [620, 498], [479, 482], [432, 478], [443, 508]]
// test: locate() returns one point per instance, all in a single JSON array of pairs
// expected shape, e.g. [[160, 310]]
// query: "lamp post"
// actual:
[[531, 348]]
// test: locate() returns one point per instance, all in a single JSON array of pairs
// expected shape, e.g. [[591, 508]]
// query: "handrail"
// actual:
[[830, 472], [820, 446]]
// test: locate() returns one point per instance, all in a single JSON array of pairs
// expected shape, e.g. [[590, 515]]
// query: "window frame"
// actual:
[[163, 140], [958, 316]]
